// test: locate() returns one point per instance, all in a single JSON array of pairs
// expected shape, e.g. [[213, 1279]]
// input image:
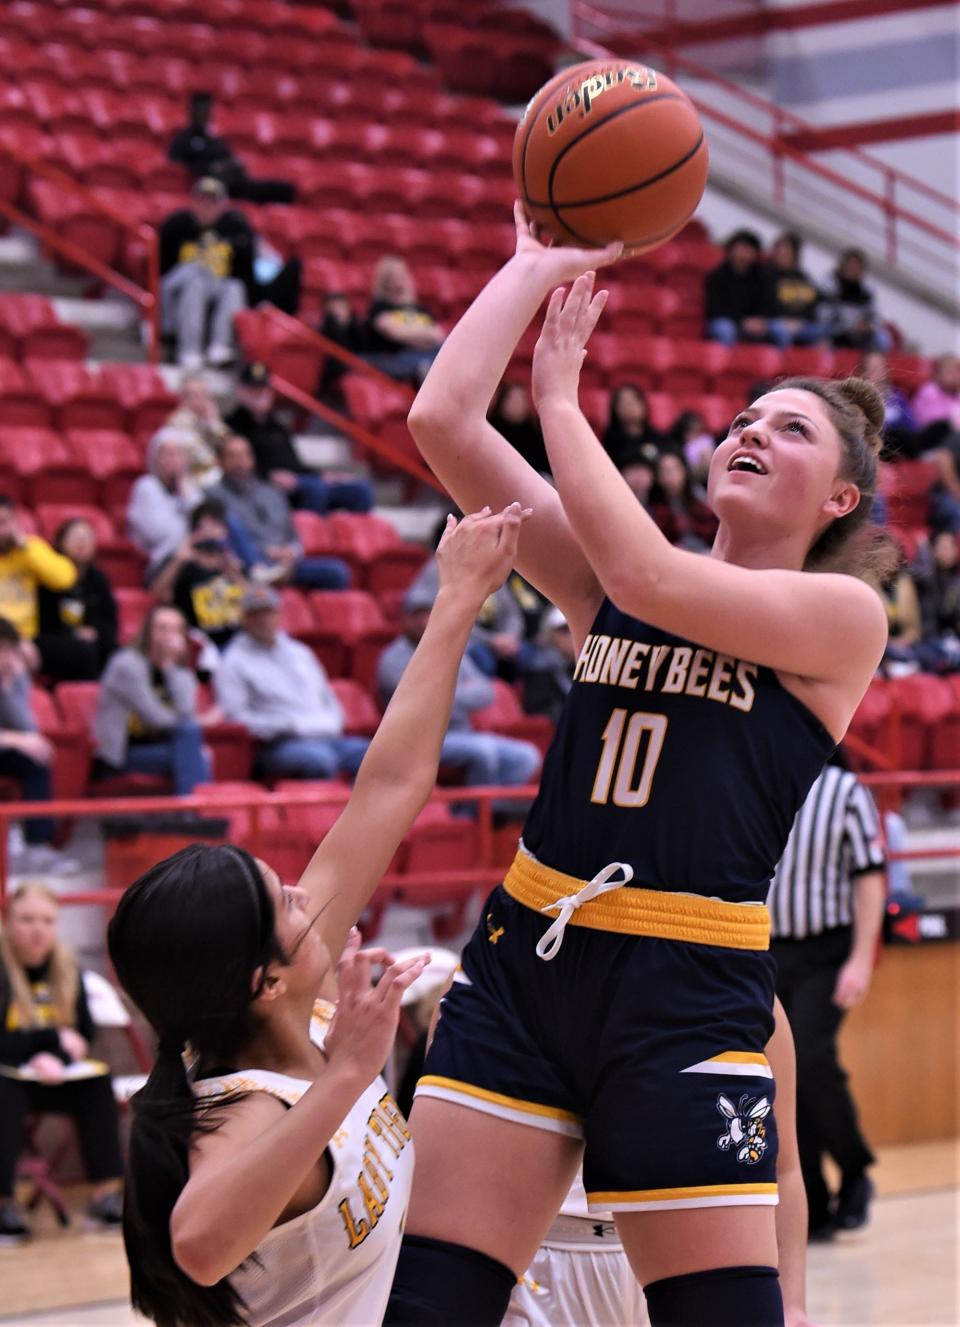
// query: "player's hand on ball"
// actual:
[[365, 1024], [475, 555], [561, 349], [559, 263]]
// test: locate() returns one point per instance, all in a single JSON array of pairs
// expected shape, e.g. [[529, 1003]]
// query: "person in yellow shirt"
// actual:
[[26, 563]]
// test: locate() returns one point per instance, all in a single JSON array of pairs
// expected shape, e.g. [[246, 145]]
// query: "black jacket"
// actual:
[[732, 295], [18, 1045], [182, 238], [88, 603], [270, 439]]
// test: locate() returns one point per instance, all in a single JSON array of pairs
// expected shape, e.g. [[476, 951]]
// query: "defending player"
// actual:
[[618, 992], [269, 1185]]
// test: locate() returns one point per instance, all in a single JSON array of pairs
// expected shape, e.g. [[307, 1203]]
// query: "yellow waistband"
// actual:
[[701, 921]]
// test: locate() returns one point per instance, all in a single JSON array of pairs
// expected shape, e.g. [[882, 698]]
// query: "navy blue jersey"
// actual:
[[686, 763]]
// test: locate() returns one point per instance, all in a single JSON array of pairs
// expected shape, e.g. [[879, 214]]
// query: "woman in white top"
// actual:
[[269, 1186]]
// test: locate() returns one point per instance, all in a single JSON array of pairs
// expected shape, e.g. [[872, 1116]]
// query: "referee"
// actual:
[[826, 904]]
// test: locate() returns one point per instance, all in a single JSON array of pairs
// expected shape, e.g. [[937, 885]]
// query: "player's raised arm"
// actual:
[[472, 460], [400, 768], [778, 482]]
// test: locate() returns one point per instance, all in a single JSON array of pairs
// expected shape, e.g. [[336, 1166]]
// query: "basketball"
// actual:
[[610, 150]]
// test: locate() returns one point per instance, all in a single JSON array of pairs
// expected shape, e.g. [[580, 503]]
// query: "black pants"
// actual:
[[35, 786], [89, 1101], [67, 658], [826, 1115]]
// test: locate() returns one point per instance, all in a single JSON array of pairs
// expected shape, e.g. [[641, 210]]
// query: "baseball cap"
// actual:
[[260, 598], [208, 187]]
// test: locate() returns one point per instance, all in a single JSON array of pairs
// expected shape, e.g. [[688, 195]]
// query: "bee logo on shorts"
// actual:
[[745, 1127]]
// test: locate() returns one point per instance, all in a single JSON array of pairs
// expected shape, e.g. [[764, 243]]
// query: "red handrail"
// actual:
[[148, 299], [883, 201], [313, 405]]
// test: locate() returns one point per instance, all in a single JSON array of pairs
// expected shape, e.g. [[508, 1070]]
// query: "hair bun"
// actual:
[[865, 398]]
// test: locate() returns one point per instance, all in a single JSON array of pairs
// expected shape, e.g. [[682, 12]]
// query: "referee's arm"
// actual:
[[862, 828]]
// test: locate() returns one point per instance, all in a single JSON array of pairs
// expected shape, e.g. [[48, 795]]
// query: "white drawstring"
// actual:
[[552, 939]]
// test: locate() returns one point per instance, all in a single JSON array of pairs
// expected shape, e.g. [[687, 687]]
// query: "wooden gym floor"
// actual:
[[903, 1269]]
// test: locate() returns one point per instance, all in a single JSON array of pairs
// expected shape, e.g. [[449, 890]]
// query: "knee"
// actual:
[[520, 762], [187, 731]]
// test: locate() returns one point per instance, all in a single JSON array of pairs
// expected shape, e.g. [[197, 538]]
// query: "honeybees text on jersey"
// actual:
[[619, 661]]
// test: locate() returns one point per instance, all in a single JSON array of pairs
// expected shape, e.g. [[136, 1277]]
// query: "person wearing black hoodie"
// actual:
[[853, 320], [794, 298], [737, 295]]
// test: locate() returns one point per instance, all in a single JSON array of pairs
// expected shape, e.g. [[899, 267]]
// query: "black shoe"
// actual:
[[13, 1225], [853, 1203], [821, 1231], [107, 1211]]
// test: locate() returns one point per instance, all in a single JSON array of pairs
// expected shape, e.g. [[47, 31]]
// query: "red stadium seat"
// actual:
[[78, 705], [72, 746], [80, 398], [298, 618], [906, 486], [133, 604], [51, 515], [143, 396], [505, 716], [111, 457], [21, 405], [361, 715]]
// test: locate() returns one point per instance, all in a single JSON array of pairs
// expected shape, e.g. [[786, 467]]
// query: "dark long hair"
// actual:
[[186, 941]]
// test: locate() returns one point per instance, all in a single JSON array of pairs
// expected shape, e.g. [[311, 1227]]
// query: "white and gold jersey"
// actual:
[[335, 1262]]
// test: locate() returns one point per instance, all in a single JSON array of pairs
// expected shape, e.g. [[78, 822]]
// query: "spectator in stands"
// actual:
[[850, 313], [27, 564], [737, 295], [206, 265], [900, 599], [485, 758], [263, 513], [549, 675], [629, 429], [794, 298], [513, 415], [899, 424], [206, 579], [498, 644], [936, 406], [146, 720], [160, 501], [401, 334], [256, 418], [197, 419], [691, 438], [276, 687], [936, 573], [45, 1027], [677, 507], [204, 153], [341, 325], [78, 627], [640, 472], [25, 755]]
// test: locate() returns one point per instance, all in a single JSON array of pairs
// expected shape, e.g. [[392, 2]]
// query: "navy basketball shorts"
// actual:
[[649, 1049]]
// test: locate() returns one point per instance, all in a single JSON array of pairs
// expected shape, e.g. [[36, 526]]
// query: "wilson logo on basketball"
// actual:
[[582, 96]]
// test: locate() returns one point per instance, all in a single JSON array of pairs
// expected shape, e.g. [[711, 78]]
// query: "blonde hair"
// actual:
[[385, 265], [64, 974]]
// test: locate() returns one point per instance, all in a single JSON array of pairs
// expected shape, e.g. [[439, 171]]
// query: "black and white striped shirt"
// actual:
[[835, 837]]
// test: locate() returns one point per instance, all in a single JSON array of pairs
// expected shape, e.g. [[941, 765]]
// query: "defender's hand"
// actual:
[[475, 556]]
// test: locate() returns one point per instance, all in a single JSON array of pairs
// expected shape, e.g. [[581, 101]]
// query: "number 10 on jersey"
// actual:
[[631, 748]]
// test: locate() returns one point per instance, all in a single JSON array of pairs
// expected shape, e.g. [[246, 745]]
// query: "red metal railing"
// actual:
[[899, 219], [486, 872], [146, 299], [381, 447]]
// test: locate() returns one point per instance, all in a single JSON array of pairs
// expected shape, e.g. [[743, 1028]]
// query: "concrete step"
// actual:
[[22, 268]]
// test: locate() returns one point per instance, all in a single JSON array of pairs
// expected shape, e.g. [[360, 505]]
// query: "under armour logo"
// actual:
[[493, 932]]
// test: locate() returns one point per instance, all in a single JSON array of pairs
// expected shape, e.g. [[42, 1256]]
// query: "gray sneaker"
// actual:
[[107, 1211]]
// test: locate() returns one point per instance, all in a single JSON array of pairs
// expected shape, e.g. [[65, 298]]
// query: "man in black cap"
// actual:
[[206, 264], [255, 418], [203, 152], [739, 298]]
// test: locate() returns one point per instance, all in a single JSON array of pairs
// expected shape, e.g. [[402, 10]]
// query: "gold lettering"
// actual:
[[377, 1126], [677, 672], [369, 1145], [720, 679], [697, 681], [373, 1170], [370, 1201], [615, 657], [357, 1231], [745, 672], [628, 677], [592, 671], [584, 656]]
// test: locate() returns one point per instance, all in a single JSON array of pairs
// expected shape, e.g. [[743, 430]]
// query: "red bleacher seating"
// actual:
[[505, 715], [361, 714], [78, 705]]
